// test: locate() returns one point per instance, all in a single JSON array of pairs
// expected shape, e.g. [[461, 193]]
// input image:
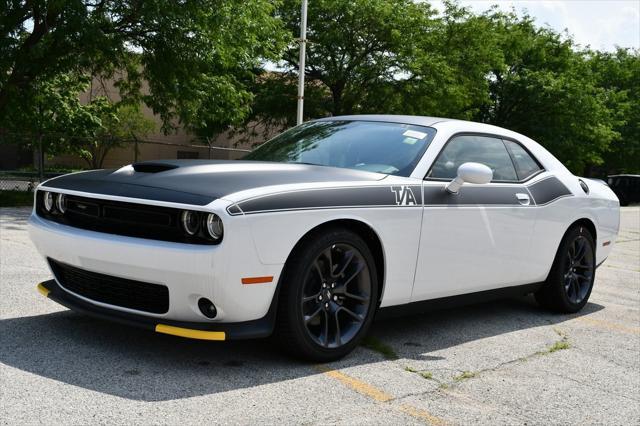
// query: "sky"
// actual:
[[601, 24]]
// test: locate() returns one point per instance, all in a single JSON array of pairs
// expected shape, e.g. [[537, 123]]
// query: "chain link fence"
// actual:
[[19, 163], [22, 181]]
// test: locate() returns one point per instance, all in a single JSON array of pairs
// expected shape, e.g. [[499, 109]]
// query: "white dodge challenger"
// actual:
[[320, 228]]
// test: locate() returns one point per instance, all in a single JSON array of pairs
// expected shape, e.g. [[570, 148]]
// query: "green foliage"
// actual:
[[355, 46], [618, 74], [119, 123], [545, 89], [194, 57], [400, 57], [52, 113], [198, 64]]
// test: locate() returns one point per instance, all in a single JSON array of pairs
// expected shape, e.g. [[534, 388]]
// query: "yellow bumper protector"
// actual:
[[43, 290], [190, 333]]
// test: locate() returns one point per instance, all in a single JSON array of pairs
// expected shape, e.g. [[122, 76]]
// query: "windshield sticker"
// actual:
[[409, 141], [414, 134]]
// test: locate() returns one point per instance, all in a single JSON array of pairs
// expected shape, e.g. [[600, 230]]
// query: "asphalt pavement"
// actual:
[[505, 362]]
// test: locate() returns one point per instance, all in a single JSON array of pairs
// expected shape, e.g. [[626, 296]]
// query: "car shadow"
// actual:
[[14, 218], [142, 365]]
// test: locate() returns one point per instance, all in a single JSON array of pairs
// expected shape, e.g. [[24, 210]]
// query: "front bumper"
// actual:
[[188, 271], [262, 327]]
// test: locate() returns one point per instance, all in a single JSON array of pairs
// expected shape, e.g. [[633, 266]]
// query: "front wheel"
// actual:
[[329, 296], [570, 281]]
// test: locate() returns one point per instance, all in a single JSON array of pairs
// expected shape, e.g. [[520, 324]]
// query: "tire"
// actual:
[[570, 281], [328, 296]]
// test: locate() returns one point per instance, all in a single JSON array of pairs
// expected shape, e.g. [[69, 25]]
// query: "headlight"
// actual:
[[190, 222], [61, 203], [48, 201], [214, 226]]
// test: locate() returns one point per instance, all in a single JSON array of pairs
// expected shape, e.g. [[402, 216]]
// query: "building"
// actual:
[[155, 146]]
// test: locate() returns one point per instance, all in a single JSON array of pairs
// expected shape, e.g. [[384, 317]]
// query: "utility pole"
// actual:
[[303, 44]]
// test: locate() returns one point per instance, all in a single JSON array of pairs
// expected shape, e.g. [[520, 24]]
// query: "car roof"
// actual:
[[388, 118]]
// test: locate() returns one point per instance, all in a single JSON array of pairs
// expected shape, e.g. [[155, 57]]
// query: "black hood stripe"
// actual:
[[199, 182], [117, 189]]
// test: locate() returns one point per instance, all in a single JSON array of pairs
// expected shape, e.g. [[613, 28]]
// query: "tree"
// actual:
[[618, 74], [194, 57], [356, 46], [55, 112], [119, 124], [544, 88]]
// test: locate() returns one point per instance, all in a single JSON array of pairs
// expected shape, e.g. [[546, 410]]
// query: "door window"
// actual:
[[526, 166], [478, 149]]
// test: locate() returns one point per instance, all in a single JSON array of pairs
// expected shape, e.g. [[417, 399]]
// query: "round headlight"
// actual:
[[48, 201], [214, 226], [190, 222], [61, 203]]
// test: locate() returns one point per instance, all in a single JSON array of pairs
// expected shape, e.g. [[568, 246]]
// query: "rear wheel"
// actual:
[[329, 296], [570, 281]]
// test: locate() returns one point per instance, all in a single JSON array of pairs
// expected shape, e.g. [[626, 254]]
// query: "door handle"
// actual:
[[523, 198]]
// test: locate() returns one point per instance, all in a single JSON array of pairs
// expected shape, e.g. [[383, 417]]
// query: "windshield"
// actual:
[[390, 148]]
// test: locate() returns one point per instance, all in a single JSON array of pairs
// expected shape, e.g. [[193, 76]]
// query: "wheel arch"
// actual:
[[365, 231], [587, 223]]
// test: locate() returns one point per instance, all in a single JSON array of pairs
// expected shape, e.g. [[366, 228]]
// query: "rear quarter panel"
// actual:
[[600, 206]]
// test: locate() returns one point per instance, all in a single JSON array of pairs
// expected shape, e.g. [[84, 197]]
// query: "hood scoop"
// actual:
[[153, 167]]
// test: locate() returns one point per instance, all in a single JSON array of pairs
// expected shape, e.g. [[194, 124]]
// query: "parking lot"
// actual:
[[500, 362]]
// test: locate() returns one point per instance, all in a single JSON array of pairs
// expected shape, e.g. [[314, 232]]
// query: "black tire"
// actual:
[[309, 326], [570, 281]]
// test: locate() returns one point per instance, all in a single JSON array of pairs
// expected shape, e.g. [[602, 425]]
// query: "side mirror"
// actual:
[[472, 173]]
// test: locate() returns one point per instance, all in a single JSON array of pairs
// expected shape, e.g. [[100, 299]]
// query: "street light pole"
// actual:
[[303, 44]]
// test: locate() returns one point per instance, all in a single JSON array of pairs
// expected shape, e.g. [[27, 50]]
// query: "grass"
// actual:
[[427, 375], [465, 375], [558, 346], [561, 344], [424, 374], [16, 198], [379, 346]]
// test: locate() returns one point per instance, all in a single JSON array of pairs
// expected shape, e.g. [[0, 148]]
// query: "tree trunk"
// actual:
[[336, 95], [40, 158]]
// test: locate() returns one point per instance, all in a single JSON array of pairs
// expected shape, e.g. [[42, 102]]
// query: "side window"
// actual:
[[478, 149], [525, 164]]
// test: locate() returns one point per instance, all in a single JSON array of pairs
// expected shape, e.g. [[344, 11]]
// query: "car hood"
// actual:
[[200, 182]]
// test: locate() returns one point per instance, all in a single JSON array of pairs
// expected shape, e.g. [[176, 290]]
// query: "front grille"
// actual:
[[138, 295], [122, 218]]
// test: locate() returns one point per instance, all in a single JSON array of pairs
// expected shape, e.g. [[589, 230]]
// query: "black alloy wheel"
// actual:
[[328, 295], [579, 266], [336, 295], [570, 281]]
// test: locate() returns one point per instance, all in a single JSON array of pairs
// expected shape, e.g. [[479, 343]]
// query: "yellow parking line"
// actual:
[[378, 395], [357, 385], [610, 325], [422, 415]]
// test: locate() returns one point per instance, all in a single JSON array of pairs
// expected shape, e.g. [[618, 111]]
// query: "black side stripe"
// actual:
[[365, 196], [436, 195], [541, 193], [548, 190]]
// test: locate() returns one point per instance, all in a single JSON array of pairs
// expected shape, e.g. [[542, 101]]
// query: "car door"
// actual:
[[478, 239]]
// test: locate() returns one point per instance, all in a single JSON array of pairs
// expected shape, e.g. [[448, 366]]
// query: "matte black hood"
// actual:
[[200, 182]]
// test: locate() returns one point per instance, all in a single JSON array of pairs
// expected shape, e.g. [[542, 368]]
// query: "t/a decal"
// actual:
[[404, 195]]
